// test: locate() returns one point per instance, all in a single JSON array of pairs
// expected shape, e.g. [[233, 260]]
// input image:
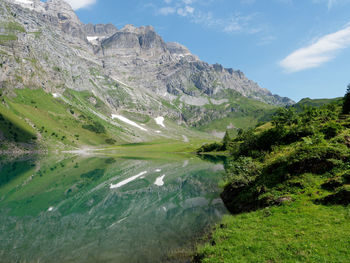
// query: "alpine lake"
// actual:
[[107, 206]]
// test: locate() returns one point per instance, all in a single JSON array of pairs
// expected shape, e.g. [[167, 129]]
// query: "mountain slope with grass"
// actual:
[[90, 76], [287, 185]]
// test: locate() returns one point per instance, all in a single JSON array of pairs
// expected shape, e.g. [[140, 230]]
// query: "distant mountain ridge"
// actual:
[[46, 46]]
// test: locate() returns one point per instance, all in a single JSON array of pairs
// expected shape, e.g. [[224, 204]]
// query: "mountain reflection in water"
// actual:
[[67, 210]]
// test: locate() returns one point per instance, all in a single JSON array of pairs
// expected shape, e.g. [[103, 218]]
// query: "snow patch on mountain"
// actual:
[[24, 1], [95, 39], [126, 120], [160, 121]]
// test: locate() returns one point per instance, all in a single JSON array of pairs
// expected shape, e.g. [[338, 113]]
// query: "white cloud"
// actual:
[[166, 10], [77, 4], [318, 53], [187, 10]]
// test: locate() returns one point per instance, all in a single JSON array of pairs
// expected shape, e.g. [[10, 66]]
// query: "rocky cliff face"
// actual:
[[45, 45]]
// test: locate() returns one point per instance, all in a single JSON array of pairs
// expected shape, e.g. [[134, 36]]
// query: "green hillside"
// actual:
[[307, 102], [40, 120], [33, 119], [287, 185]]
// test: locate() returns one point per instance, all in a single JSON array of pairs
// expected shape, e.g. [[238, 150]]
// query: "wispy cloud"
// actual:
[[78, 4], [236, 23], [191, 10], [166, 10], [185, 11], [318, 53]]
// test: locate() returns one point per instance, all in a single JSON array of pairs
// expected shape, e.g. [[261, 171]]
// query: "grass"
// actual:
[[13, 27], [160, 149], [295, 232], [14, 128], [64, 123], [57, 122], [287, 185], [6, 38]]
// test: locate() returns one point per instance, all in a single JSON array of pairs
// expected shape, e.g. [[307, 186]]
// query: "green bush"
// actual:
[[242, 171], [110, 141], [96, 127], [211, 147], [331, 129]]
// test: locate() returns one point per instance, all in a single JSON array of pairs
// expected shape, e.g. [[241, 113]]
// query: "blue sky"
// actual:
[[295, 48]]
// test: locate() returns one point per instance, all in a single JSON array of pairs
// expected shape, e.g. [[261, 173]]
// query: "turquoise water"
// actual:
[[103, 209]]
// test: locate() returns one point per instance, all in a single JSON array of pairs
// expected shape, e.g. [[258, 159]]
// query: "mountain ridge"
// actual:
[[105, 71], [137, 40]]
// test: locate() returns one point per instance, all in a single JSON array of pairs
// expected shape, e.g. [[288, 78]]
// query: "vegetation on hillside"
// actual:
[[307, 102], [32, 119], [288, 184]]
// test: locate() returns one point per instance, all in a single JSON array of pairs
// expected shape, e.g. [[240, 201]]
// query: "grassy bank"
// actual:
[[287, 187], [294, 232], [157, 149]]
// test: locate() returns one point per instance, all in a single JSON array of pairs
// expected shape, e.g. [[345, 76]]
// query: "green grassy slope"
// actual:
[[240, 112], [52, 122], [288, 187], [307, 102], [75, 119]]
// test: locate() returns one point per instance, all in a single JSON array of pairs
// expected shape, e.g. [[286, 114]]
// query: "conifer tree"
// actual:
[[346, 104]]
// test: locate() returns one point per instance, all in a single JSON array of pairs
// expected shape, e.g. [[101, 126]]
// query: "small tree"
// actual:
[[346, 104], [226, 140]]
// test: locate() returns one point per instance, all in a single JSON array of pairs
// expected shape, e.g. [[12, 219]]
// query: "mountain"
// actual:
[[307, 102], [130, 74]]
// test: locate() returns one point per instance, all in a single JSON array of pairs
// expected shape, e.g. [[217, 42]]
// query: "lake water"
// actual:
[[106, 209]]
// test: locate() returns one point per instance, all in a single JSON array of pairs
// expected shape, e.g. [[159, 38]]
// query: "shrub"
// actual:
[[242, 171], [331, 129], [285, 116], [96, 127], [211, 147], [110, 141]]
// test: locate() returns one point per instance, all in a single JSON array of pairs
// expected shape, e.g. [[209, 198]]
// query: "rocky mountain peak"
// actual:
[[62, 10], [36, 5], [136, 40], [129, 28], [179, 51], [146, 29]]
